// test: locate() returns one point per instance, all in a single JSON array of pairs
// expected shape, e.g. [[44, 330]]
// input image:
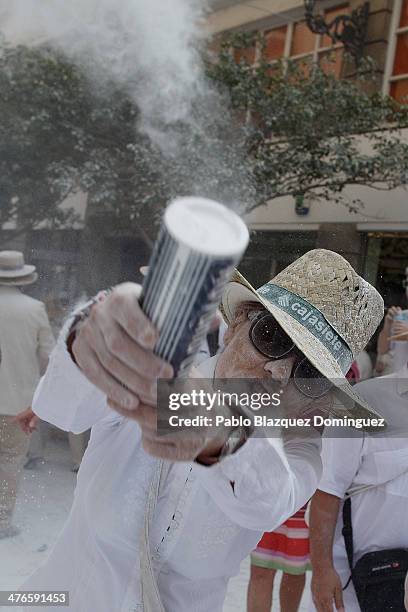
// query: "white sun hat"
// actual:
[[13, 270], [328, 310]]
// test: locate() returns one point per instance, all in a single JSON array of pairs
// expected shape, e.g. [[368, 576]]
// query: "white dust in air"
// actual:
[[151, 49]]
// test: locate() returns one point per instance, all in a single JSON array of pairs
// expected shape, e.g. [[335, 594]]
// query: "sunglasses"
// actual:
[[273, 342]]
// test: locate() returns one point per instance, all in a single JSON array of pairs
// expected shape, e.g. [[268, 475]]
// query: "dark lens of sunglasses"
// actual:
[[270, 339], [310, 381]]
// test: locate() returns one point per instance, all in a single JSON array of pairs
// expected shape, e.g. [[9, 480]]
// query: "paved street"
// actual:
[[42, 506]]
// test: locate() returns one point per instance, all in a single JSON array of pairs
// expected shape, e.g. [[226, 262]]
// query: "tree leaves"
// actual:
[[258, 132], [312, 132]]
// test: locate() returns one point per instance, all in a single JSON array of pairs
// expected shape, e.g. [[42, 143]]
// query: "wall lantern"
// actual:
[[350, 30], [302, 206]]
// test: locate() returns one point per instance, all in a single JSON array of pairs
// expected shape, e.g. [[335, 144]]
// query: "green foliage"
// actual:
[[305, 126], [61, 132], [59, 135], [293, 130]]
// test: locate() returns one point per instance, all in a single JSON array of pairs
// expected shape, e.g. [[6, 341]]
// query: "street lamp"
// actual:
[[351, 30]]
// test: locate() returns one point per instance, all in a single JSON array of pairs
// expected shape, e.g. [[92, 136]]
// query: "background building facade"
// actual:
[[81, 259], [376, 238]]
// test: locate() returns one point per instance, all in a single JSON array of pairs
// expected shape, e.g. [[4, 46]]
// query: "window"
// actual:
[[303, 39], [297, 42], [396, 72], [331, 56], [319, 48], [248, 55], [275, 43]]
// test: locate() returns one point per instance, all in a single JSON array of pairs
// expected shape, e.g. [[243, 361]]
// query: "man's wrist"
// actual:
[[211, 453], [79, 317], [216, 450], [322, 567], [70, 341]]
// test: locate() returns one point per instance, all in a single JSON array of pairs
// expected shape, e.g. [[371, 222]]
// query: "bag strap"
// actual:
[[362, 488], [347, 531]]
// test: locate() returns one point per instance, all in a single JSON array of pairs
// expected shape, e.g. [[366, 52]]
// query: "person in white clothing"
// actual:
[[392, 344], [365, 367], [26, 341], [177, 543], [379, 512]]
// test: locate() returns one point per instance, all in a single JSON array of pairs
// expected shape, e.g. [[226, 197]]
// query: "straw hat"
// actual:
[[328, 310], [13, 271]]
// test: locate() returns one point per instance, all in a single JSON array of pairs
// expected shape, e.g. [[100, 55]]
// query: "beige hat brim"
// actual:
[[237, 292], [20, 273], [19, 282]]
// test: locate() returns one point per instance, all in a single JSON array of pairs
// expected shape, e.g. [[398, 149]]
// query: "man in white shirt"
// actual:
[[379, 514], [26, 341], [213, 503], [392, 344]]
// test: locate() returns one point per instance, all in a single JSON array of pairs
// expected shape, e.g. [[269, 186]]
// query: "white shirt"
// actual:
[[365, 366], [202, 527], [399, 350], [400, 354], [379, 515], [26, 341]]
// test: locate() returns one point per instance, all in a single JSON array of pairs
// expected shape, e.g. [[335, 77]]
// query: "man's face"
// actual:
[[240, 358]]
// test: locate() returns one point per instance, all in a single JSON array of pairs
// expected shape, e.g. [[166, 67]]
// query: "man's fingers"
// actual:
[[128, 313], [129, 414], [145, 415], [32, 425], [113, 339], [144, 387], [324, 605], [25, 426], [118, 343], [114, 346], [99, 376], [338, 599]]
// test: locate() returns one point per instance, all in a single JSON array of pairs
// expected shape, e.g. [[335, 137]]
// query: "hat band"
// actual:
[[11, 267], [312, 319]]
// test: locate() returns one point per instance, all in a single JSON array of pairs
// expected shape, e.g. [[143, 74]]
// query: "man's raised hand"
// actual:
[[114, 349]]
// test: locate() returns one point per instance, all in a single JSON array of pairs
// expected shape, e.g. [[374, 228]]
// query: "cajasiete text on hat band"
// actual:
[[312, 319]]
